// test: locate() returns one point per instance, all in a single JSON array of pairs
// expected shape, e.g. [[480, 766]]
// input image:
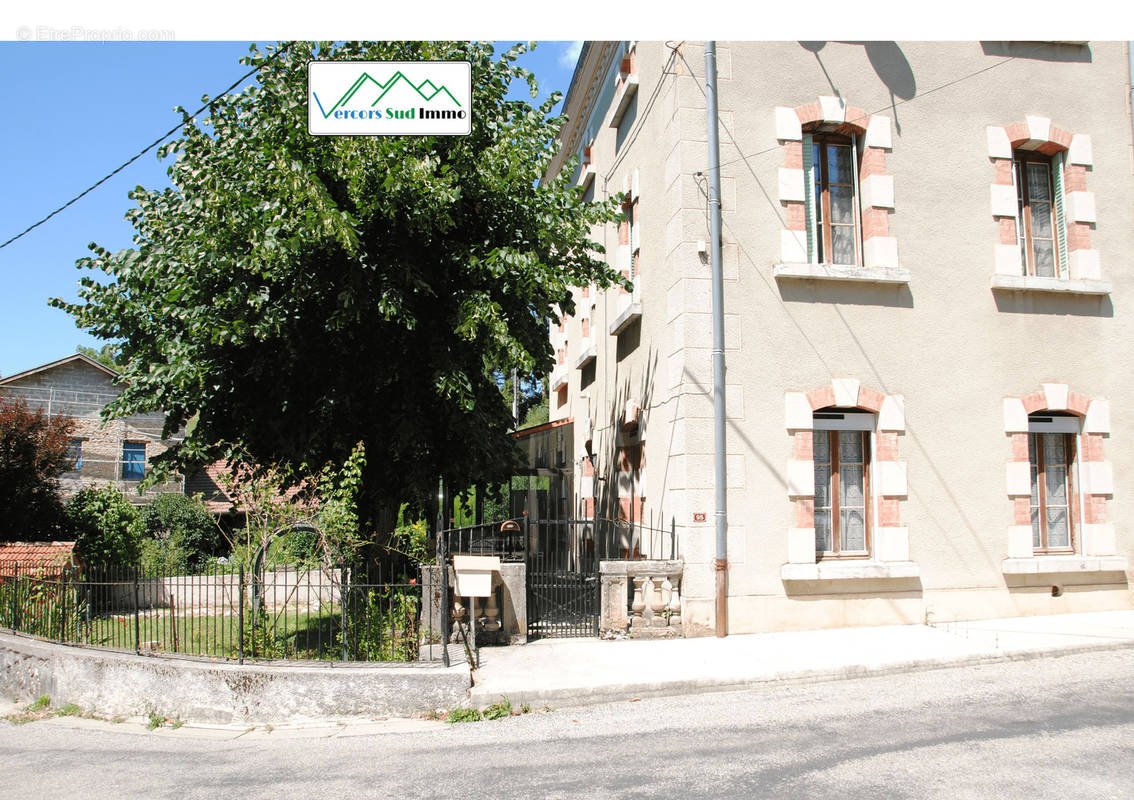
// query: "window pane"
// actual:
[[1045, 258], [839, 164], [1041, 220], [1056, 485], [852, 528], [823, 531], [842, 242], [821, 446], [850, 486], [1054, 449], [1036, 544], [133, 462], [850, 446], [1039, 179], [1035, 484], [842, 205], [822, 486], [1058, 533]]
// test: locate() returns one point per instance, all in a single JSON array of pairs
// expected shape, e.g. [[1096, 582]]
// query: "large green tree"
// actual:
[[293, 295]]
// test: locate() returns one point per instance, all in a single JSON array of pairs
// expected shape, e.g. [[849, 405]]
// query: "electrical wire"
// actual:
[[145, 150], [778, 148]]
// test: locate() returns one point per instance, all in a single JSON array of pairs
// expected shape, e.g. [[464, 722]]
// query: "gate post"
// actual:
[[443, 568]]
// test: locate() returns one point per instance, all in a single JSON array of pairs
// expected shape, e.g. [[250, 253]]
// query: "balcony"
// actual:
[[627, 88], [628, 308], [587, 354], [558, 376]]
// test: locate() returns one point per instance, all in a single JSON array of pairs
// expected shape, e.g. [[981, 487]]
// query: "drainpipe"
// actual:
[[721, 563], [1130, 56]]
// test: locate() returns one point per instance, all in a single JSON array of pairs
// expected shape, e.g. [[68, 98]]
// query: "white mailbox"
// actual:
[[474, 574]]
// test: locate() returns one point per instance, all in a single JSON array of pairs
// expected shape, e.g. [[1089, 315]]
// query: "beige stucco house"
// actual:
[[928, 283], [117, 452]]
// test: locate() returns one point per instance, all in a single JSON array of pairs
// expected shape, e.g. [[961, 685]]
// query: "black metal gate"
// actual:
[[562, 578]]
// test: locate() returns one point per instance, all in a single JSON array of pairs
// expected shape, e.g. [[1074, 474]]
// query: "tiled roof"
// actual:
[[35, 556]]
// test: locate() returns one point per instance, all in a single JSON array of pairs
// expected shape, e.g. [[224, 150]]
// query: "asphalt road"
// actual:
[[1057, 727]]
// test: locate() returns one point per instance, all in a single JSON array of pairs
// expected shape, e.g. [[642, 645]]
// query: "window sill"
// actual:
[[1030, 283], [1046, 565], [850, 570], [841, 272], [558, 378]]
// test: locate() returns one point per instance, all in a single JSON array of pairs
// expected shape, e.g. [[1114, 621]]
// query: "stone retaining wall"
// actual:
[[113, 683]]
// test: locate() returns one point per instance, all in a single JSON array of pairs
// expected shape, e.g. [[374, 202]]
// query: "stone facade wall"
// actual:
[[932, 318]]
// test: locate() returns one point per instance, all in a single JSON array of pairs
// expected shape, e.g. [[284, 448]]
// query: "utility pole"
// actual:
[[721, 516]]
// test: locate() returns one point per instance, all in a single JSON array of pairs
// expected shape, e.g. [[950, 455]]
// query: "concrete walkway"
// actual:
[[562, 672]]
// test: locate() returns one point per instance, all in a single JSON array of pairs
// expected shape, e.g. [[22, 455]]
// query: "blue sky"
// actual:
[[76, 111]]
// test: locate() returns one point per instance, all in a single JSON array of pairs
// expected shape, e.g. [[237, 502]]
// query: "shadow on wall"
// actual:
[[1011, 302], [629, 340], [606, 466], [1039, 51], [894, 589], [1055, 584], [889, 64], [845, 293]]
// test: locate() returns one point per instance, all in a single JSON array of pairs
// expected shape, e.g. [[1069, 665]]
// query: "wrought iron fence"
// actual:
[[321, 613], [559, 541]]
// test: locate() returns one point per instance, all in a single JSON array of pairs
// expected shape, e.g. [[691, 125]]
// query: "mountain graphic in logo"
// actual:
[[427, 89]]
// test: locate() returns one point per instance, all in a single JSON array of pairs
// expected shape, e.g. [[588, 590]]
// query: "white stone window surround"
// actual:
[[1095, 542], [889, 555]]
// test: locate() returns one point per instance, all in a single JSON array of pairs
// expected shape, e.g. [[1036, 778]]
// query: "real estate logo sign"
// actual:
[[389, 98]]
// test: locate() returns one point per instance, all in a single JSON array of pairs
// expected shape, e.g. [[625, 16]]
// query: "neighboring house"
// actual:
[[928, 283], [117, 452]]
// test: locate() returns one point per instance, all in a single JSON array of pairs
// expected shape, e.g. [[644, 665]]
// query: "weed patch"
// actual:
[[465, 715]]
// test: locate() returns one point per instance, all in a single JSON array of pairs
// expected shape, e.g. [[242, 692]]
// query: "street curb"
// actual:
[[611, 693]]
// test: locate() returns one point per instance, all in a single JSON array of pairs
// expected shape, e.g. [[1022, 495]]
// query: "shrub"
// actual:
[[105, 525], [177, 533], [33, 454]]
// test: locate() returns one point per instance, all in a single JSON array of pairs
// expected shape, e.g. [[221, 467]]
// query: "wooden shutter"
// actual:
[[809, 198], [1058, 160]]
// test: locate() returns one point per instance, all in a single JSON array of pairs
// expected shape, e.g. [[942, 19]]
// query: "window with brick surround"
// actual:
[[841, 453], [1043, 208], [831, 202], [837, 194], [1040, 225]]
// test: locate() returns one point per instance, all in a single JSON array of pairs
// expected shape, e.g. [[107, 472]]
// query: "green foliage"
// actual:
[[156, 721], [108, 355], [105, 525], [49, 607], [178, 533], [33, 455], [291, 295], [337, 492], [385, 626], [499, 710], [537, 414], [42, 702], [465, 715]]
